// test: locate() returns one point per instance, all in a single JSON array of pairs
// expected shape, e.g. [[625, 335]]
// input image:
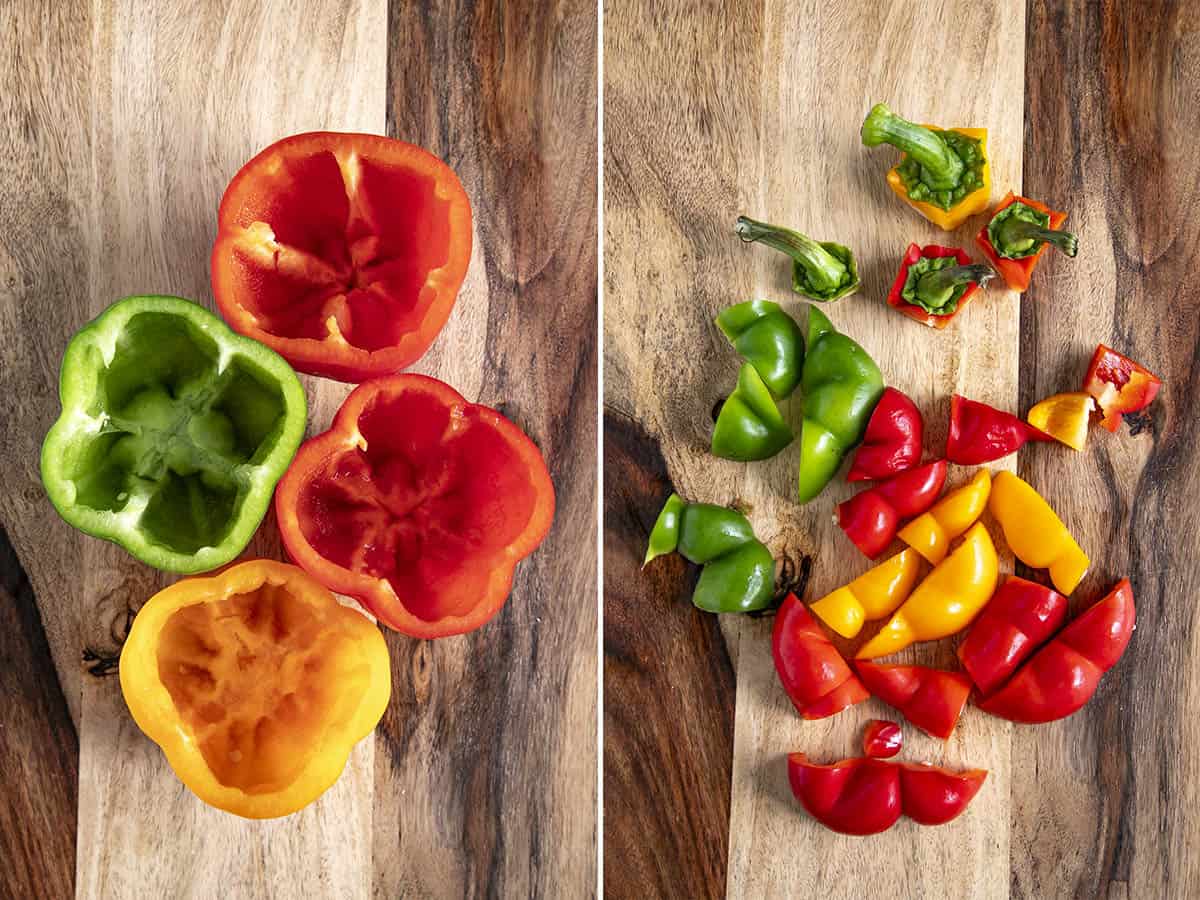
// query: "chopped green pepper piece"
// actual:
[[749, 425], [821, 270], [1019, 230], [664, 536], [767, 338], [936, 284]]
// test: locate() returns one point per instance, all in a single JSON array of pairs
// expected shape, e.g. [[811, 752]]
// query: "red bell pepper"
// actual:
[[1119, 385], [416, 503], [866, 796], [882, 739], [816, 678], [872, 517], [1017, 272], [1061, 677], [929, 698], [892, 441], [980, 433], [963, 274], [1017, 620]]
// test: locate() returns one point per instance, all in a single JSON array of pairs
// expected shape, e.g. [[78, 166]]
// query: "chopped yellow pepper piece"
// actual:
[[872, 595], [1035, 533], [1065, 417], [931, 532]]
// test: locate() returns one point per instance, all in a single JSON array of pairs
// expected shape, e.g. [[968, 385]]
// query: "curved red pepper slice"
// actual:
[[922, 315], [892, 441], [872, 517], [1061, 677], [882, 739], [816, 678], [416, 503], [929, 698], [1119, 385], [1016, 273], [342, 252], [980, 433], [1017, 620]]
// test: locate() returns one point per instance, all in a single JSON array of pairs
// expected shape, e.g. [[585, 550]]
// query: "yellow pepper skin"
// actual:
[[256, 683], [931, 532], [1065, 417], [946, 601], [872, 595], [974, 202], [1035, 533]]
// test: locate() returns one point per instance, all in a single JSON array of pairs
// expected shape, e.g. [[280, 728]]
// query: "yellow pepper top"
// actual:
[[974, 202], [931, 532], [1035, 533], [872, 595]]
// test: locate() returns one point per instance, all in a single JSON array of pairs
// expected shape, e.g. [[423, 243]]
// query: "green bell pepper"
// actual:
[[749, 425], [841, 386], [1019, 230], [821, 270], [172, 435], [738, 573], [767, 338]]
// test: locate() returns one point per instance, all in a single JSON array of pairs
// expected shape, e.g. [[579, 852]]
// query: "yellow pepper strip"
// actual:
[[1065, 417], [1036, 534], [872, 595], [946, 601], [974, 202], [931, 532]]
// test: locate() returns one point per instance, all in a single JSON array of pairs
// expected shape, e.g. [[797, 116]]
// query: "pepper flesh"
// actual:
[[930, 533], [1064, 675], [1017, 272], [1035, 533], [256, 683], [931, 699], [870, 518], [882, 739], [872, 595], [749, 425], [1119, 385], [767, 338], [172, 434], [946, 601], [965, 276], [817, 680], [980, 433], [1065, 417], [821, 270], [892, 441], [418, 504]]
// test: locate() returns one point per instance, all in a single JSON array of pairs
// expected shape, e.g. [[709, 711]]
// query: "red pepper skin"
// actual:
[[933, 796], [892, 442], [924, 316], [872, 517], [1061, 677], [816, 678], [929, 698], [1016, 273], [1017, 620], [980, 433], [1119, 385], [882, 739]]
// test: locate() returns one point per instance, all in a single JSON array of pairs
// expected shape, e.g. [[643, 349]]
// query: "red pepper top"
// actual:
[[872, 517], [980, 433], [1016, 272], [892, 441], [816, 678], [1119, 385], [922, 315]]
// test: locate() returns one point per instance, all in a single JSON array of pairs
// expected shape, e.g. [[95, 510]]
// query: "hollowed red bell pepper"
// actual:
[[938, 295], [1119, 385], [929, 698], [1017, 272], [1061, 677], [892, 442], [416, 503], [872, 517], [816, 678], [980, 433], [342, 252], [882, 739], [1018, 619], [866, 796]]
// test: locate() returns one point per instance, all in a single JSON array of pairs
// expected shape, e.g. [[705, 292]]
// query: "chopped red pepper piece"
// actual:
[[929, 698], [1017, 620], [1017, 272], [892, 442], [816, 678], [912, 255], [1061, 677], [416, 503], [872, 517], [882, 739], [1119, 385], [980, 433]]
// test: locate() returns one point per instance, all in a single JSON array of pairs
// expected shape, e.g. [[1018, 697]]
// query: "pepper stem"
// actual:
[[936, 287], [941, 167], [824, 271], [1013, 230]]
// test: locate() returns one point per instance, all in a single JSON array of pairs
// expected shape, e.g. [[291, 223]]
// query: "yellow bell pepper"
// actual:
[[1036, 534], [872, 595], [1065, 417], [946, 601], [256, 683], [974, 202], [931, 532]]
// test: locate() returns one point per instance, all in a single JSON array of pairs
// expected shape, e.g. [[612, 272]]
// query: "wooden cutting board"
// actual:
[[123, 122]]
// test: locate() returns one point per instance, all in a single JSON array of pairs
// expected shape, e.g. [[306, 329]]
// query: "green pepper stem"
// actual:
[[1012, 230], [935, 287], [824, 271], [941, 167]]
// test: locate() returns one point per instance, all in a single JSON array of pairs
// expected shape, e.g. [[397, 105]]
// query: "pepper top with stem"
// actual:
[[1019, 230], [821, 270], [936, 284], [941, 167]]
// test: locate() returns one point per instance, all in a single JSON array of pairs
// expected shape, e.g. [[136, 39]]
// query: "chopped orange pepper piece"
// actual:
[[1035, 533], [872, 595], [1064, 417], [931, 532]]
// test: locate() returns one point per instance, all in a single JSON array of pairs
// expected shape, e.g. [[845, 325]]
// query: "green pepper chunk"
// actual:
[[767, 338], [841, 385], [821, 270], [664, 536], [937, 283], [749, 425], [1019, 230]]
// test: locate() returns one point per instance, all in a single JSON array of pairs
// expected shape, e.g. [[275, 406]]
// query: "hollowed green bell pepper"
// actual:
[[172, 435], [749, 425], [767, 338], [841, 385], [821, 270]]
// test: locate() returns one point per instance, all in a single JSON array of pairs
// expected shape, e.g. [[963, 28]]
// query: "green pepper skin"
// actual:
[[767, 338], [739, 582], [664, 536], [707, 531], [821, 270], [1019, 230], [841, 385], [749, 425]]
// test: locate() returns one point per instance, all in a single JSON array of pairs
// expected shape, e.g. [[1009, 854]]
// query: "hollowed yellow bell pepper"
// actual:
[[931, 532], [256, 683], [946, 601], [1065, 417], [1035, 533], [872, 595]]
